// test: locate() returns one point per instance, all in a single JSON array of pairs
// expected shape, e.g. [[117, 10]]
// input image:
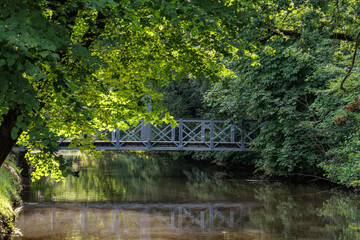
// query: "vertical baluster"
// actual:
[[173, 134], [117, 138], [212, 147], [243, 135], [113, 136], [203, 131], [149, 129], [232, 135], [180, 134]]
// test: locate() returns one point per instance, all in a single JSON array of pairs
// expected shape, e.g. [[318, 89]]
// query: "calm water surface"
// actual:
[[137, 196]]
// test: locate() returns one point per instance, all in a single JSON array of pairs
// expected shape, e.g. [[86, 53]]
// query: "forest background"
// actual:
[[301, 80]]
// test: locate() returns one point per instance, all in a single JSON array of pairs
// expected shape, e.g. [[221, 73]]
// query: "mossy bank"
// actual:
[[10, 186]]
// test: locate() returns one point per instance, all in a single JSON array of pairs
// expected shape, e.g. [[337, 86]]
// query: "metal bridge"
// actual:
[[193, 135], [189, 134]]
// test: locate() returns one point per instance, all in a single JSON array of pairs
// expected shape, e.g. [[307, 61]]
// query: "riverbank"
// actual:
[[9, 197]]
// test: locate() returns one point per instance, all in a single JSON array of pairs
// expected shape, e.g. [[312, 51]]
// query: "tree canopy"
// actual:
[[72, 68], [304, 87]]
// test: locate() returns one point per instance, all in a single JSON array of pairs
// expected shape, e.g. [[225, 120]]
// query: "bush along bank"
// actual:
[[10, 186]]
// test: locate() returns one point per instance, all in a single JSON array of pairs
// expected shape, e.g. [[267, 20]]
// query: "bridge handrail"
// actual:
[[189, 134]]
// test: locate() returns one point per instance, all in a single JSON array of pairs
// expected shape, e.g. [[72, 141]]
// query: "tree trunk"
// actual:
[[23, 165], [6, 141]]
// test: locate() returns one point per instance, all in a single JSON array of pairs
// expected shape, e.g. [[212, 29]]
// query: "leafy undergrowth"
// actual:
[[9, 197]]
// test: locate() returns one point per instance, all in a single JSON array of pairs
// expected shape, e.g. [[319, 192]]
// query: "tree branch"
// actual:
[[6, 126], [352, 63]]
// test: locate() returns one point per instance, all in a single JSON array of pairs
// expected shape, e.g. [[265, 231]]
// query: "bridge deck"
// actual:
[[162, 145]]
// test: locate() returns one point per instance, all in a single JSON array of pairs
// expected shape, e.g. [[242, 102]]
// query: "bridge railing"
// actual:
[[205, 135], [189, 134]]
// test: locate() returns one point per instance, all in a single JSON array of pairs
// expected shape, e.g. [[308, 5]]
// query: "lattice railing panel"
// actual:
[[194, 132], [207, 135], [163, 132]]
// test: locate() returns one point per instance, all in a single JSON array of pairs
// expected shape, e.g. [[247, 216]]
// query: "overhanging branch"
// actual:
[[352, 63]]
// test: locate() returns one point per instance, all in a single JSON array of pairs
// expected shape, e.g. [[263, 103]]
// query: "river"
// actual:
[[149, 196]]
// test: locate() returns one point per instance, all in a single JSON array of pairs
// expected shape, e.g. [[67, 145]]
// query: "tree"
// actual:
[[73, 68], [304, 50]]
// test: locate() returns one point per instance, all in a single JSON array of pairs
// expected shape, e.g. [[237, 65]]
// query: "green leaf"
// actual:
[[40, 76], [14, 133], [44, 53]]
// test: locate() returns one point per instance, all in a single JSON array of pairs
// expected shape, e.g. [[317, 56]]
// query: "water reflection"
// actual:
[[132, 221], [343, 214], [136, 177], [139, 196]]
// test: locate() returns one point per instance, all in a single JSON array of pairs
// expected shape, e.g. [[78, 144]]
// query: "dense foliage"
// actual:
[[304, 51], [72, 68]]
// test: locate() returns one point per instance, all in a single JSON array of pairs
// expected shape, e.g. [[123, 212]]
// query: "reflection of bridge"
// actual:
[[193, 135], [134, 220]]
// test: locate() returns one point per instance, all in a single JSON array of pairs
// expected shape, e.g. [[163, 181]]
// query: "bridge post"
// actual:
[[212, 134], [180, 134], [117, 135], [113, 136], [173, 135], [146, 129], [243, 135], [146, 133], [203, 131], [232, 133]]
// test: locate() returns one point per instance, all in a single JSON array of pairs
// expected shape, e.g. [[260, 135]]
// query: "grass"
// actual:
[[9, 195]]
